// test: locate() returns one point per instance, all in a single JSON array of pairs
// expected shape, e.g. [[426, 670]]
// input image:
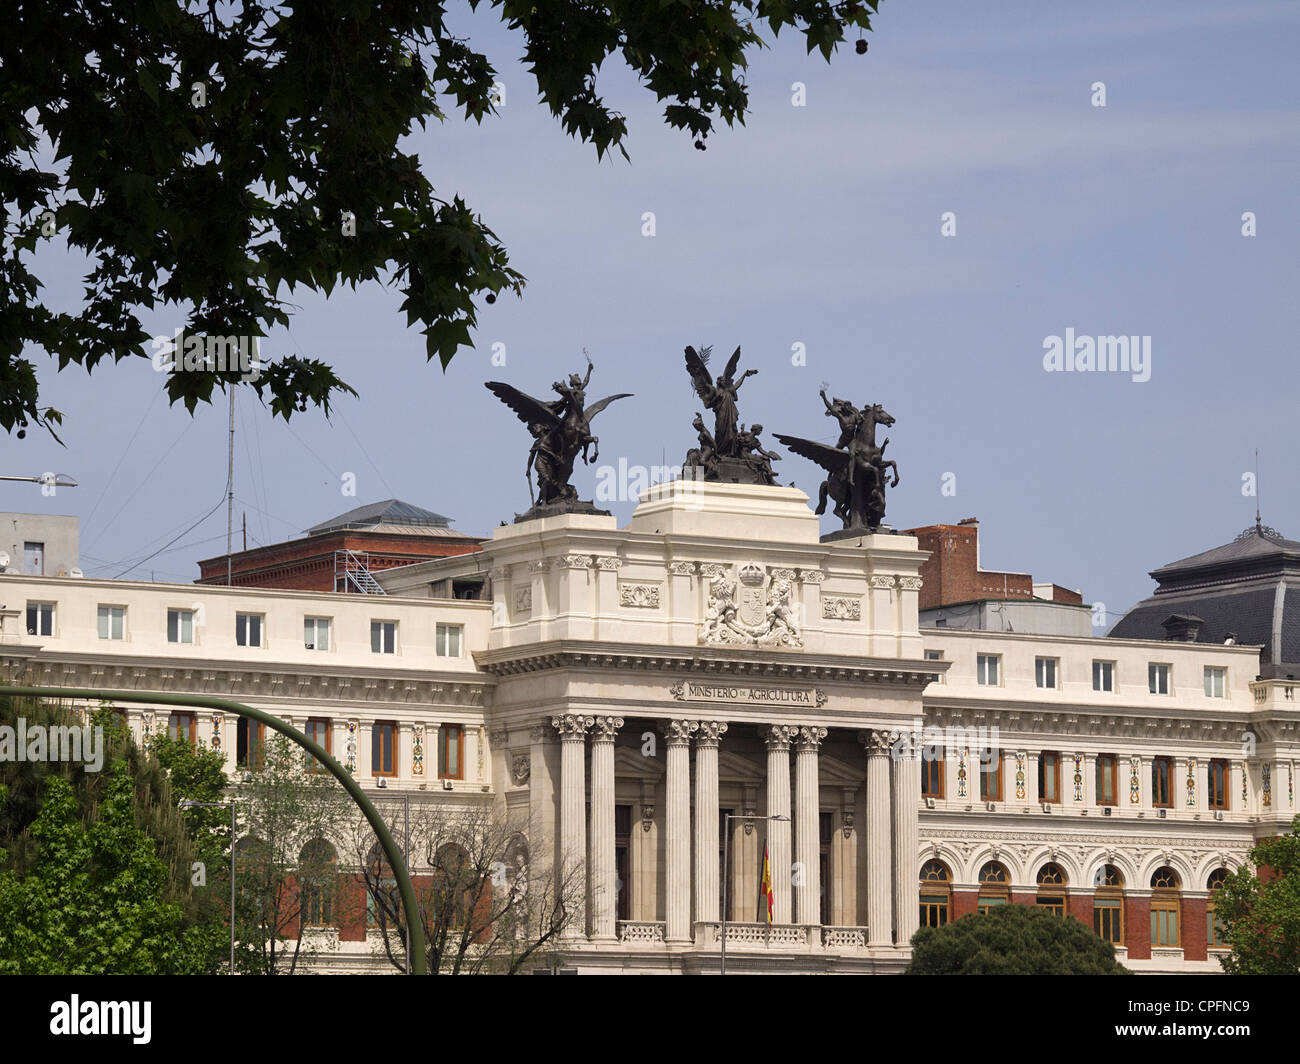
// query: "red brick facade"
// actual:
[[952, 574], [308, 564], [1192, 932]]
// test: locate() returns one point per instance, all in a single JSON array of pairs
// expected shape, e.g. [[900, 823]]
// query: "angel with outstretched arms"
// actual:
[[720, 396]]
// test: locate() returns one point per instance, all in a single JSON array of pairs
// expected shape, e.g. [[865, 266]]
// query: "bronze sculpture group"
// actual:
[[856, 467]]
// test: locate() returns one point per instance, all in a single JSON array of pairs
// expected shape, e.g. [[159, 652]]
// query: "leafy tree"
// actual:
[[93, 902], [1261, 913], [1012, 940], [204, 156]]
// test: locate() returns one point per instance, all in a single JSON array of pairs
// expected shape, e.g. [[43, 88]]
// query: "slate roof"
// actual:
[[388, 512], [1233, 589]]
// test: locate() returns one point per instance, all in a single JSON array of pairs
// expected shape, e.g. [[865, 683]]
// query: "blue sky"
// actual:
[[816, 225]]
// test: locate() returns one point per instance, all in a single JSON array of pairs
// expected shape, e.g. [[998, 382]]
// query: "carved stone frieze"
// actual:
[[639, 596], [841, 609]]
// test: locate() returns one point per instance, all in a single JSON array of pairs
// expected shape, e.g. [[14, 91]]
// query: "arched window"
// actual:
[[1108, 904], [1051, 888], [453, 882], [1214, 928], [994, 887], [936, 893], [1165, 905], [317, 864]]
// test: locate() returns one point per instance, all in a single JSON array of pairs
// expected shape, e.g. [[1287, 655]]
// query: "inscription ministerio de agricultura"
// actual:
[[748, 694]]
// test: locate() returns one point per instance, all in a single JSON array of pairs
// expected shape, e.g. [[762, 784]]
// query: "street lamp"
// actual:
[[187, 804], [726, 863]]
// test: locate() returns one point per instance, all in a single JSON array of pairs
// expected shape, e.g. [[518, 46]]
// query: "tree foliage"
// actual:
[[1012, 940], [207, 157], [94, 866], [1261, 912]]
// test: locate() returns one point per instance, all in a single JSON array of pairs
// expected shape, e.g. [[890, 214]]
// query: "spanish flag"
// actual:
[[765, 888]]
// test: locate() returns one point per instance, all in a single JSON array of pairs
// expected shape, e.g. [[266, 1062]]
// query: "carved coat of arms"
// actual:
[[753, 609]]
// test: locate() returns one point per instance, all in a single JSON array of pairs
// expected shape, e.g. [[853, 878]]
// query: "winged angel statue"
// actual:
[[561, 431]]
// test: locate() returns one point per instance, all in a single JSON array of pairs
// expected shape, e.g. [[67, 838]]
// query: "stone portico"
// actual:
[[665, 674]]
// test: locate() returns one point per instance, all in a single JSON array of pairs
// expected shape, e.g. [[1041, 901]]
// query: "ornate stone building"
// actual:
[[714, 677]]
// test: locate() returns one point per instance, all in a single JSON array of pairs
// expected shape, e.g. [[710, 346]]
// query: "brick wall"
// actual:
[[1137, 928], [308, 564], [952, 574]]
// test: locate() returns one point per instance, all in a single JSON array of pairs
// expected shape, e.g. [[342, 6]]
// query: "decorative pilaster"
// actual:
[[603, 874], [573, 802], [778, 738], [807, 895], [707, 885], [879, 851], [677, 845], [907, 840]]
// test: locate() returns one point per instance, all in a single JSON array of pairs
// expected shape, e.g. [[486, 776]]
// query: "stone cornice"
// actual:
[[1178, 723], [582, 654], [295, 682]]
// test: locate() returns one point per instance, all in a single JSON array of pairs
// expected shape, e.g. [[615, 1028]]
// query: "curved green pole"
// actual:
[[417, 962]]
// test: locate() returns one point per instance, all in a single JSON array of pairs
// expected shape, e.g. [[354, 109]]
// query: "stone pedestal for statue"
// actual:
[[564, 506]]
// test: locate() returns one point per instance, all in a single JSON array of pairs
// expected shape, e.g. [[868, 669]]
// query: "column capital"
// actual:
[[779, 736], [810, 738], [876, 741], [710, 732], [678, 732], [572, 727], [605, 728]]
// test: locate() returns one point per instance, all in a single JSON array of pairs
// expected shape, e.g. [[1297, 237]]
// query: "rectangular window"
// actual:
[[448, 640], [1053, 903], [383, 749], [1164, 921], [1045, 670], [934, 909], [1049, 777], [984, 904], [248, 629], [1216, 680], [987, 669], [1106, 777], [935, 655], [180, 626], [181, 726], [1103, 676], [40, 618], [990, 776], [1158, 679], [451, 738], [316, 633], [383, 637], [931, 772], [1162, 782], [318, 730], [622, 862], [1218, 784], [249, 736], [112, 622], [1216, 934], [1108, 920]]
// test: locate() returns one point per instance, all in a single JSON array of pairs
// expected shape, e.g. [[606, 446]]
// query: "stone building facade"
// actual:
[[713, 676]]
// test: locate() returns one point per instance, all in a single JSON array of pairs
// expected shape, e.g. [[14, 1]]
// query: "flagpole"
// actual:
[[726, 864]]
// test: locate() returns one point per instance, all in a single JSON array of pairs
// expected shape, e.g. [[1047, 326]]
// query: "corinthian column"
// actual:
[[573, 811], [706, 820], [603, 874], [807, 833], [879, 855], [907, 833], [677, 844], [778, 738]]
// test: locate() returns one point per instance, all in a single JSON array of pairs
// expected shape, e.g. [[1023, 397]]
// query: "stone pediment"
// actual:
[[629, 762], [832, 772]]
